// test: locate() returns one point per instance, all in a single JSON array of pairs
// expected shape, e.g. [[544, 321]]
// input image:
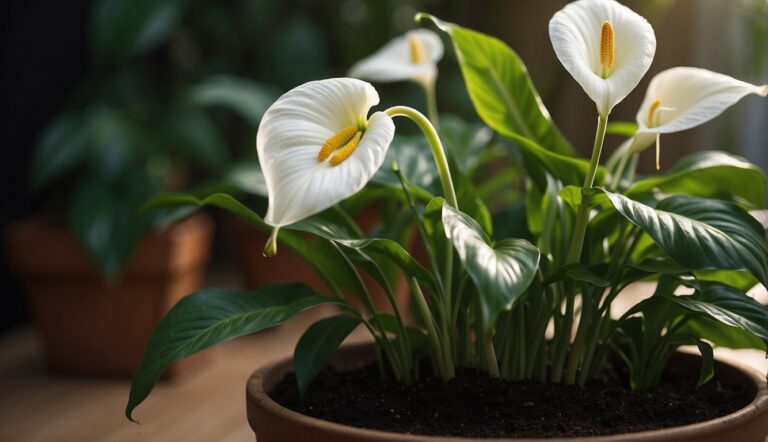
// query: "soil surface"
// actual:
[[475, 405]]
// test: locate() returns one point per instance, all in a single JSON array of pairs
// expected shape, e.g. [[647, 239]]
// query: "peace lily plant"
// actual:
[[535, 303]]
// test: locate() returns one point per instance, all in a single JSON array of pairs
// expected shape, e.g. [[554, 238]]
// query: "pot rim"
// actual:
[[256, 394]]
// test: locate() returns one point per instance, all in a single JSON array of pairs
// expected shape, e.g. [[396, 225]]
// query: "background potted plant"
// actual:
[[588, 231], [98, 277]]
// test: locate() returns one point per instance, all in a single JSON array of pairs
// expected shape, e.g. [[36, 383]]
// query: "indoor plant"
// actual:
[[589, 231], [98, 278]]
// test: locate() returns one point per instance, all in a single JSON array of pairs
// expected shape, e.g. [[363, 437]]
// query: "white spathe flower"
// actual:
[[605, 46], [317, 146], [682, 98], [412, 56]]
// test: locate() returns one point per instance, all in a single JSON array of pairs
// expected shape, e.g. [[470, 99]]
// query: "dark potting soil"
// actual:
[[475, 405]]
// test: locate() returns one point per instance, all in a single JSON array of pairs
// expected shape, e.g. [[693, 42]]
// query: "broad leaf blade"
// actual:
[[317, 344], [501, 273], [701, 233], [209, 317], [728, 306], [501, 89], [708, 174]]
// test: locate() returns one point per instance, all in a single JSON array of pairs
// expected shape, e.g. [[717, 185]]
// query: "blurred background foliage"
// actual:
[[107, 102]]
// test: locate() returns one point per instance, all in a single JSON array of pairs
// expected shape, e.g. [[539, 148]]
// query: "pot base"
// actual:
[[746, 424]]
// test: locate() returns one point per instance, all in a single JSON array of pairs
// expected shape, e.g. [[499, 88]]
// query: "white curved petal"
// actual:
[[291, 134], [393, 61], [575, 35], [689, 97]]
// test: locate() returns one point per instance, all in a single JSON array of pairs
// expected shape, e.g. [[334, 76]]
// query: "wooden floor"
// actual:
[[207, 404]]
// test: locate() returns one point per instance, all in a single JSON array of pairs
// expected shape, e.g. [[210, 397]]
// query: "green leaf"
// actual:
[[728, 306], [394, 252], [415, 162], [709, 174], [722, 335], [61, 148], [209, 317], [320, 254], [247, 98], [582, 273], [123, 28], [501, 273], [707, 363], [102, 216], [500, 87], [193, 135], [700, 233], [466, 142], [317, 344]]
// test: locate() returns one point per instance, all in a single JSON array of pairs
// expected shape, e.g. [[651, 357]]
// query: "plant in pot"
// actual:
[[515, 336]]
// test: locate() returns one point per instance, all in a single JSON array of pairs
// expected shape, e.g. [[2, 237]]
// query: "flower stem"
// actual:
[[580, 228], [431, 98], [438, 152], [449, 192]]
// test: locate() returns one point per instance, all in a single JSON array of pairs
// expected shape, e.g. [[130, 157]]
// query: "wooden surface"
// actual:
[[204, 405]]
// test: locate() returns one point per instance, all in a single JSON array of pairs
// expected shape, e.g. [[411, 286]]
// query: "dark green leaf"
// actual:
[[317, 344], [709, 174], [209, 317], [123, 28], [701, 233], [61, 148], [192, 135], [728, 306], [501, 273], [707, 363], [320, 254]]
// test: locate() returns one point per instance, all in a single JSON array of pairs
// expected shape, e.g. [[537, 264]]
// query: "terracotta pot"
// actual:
[[273, 423], [256, 270], [90, 326]]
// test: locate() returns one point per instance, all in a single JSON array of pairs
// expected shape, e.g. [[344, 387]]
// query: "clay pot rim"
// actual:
[[256, 394]]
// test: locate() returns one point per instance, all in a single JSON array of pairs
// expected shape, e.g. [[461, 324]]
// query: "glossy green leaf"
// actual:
[[500, 87], [709, 174], [701, 233], [317, 344], [209, 317], [501, 273], [728, 306], [245, 97]]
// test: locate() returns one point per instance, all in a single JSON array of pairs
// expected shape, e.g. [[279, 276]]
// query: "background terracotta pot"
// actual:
[[274, 423], [256, 270], [90, 326]]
